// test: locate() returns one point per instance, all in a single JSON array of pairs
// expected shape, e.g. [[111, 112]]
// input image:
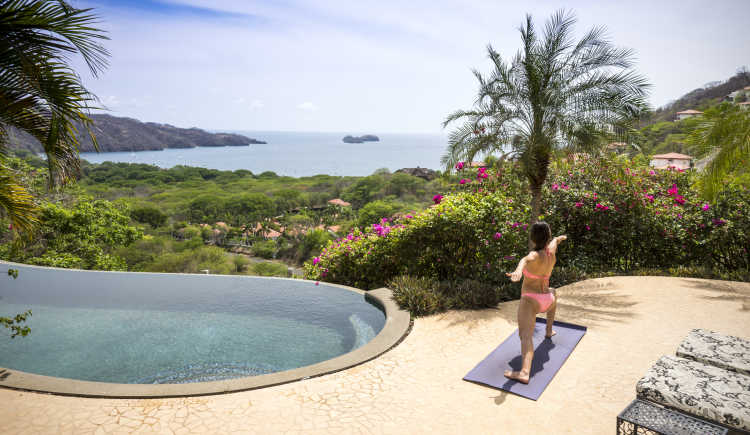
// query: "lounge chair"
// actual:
[[719, 350], [705, 385], [700, 390]]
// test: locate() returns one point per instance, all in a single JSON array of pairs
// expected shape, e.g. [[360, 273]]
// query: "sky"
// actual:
[[372, 67]]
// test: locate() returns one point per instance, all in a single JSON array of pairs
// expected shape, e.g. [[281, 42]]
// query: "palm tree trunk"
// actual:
[[536, 204], [536, 208]]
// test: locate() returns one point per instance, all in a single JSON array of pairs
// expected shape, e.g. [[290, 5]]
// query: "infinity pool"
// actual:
[[144, 328]]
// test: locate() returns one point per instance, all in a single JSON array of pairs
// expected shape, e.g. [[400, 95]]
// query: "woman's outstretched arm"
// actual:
[[518, 273], [556, 241]]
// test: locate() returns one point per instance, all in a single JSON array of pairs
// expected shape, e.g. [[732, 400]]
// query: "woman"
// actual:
[[536, 296]]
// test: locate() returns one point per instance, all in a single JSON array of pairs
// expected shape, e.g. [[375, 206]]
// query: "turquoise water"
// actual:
[[299, 154], [161, 328]]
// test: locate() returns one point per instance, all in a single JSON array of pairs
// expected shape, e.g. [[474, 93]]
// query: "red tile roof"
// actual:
[[339, 202]]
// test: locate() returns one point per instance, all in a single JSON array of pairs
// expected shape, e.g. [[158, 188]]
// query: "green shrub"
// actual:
[[417, 294], [239, 263], [149, 215], [372, 212], [423, 296], [269, 268], [85, 235], [619, 216], [264, 248], [312, 243], [467, 236], [193, 261]]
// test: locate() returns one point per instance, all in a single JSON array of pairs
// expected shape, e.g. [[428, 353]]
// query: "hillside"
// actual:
[[127, 134], [662, 133], [701, 98]]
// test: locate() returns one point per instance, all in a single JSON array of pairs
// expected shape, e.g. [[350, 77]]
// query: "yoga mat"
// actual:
[[549, 356]]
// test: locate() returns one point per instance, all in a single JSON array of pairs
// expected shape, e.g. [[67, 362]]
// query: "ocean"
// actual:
[[299, 154]]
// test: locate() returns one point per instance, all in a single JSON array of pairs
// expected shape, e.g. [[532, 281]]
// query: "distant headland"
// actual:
[[127, 134], [361, 139]]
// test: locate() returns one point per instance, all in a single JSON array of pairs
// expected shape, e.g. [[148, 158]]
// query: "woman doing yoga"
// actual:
[[536, 296]]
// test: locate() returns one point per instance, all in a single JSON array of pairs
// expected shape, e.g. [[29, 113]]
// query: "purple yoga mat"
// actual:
[[549, 356]]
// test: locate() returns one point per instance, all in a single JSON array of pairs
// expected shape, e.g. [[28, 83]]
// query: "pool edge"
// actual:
[[396, 327]]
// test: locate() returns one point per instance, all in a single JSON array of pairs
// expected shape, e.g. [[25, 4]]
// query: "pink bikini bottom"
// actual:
[[545, 300]]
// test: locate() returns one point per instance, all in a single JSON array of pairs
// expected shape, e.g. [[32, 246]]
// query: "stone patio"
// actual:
[[417, 388]]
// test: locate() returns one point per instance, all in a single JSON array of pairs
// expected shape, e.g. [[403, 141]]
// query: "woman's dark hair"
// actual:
[[540, 234]]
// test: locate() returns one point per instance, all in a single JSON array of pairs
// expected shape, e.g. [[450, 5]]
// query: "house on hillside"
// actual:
[[745, 105], [673, 160], [685, 114], [617, 147], [339, 202], [732, 95]]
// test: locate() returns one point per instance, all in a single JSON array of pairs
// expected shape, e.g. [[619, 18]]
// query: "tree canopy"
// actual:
[[554, 93]]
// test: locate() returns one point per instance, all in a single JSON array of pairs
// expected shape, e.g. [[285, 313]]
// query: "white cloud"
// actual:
[[110, 101], [386, 66], [307, 106]]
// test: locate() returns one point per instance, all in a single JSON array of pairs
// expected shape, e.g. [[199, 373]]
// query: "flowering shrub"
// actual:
[[466, 236], [618, 218], [621, 218]]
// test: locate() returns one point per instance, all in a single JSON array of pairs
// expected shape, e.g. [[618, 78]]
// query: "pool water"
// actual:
[[167, 328]]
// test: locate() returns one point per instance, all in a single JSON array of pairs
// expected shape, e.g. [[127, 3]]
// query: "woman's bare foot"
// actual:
[[519, 376], [550, 334]]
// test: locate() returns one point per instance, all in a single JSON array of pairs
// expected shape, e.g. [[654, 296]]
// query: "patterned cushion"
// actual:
[[725, 351], [694, 388]]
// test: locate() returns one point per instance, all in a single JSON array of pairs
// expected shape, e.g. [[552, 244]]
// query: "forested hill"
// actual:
[[126, 134], [701, 98]]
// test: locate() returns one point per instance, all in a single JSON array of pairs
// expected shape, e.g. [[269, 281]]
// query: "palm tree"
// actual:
[[40, 93], [555, 93], [726, 139]]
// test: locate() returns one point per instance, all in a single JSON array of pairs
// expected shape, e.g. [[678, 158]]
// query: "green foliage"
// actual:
[[144, 252], [417, 294], [726, 134], [468, 236], [193, 261], [15, 324], [363, 190], [372, 212], [312, 243], [83, 236], [554, 93], [618, 216], [265, 248], [240, 263], [190, 232], [149, 215], [42, 95], [423, 296], [269, 268]]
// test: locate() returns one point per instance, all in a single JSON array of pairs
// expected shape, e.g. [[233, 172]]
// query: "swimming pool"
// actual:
[[148, 328]]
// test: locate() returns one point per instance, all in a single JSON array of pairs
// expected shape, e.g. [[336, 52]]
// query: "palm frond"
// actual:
[[17, 202], [727, 136]]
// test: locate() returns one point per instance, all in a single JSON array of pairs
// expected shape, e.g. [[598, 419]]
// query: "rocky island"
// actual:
[[127, 134], [361, 139]]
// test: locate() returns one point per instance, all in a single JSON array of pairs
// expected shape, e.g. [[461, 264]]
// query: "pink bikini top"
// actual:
[[544, 278]]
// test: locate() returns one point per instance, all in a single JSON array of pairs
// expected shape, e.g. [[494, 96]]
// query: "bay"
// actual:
[[299, 154]]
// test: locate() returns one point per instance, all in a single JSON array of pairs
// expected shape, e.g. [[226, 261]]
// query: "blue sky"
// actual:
[[386, 66]]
